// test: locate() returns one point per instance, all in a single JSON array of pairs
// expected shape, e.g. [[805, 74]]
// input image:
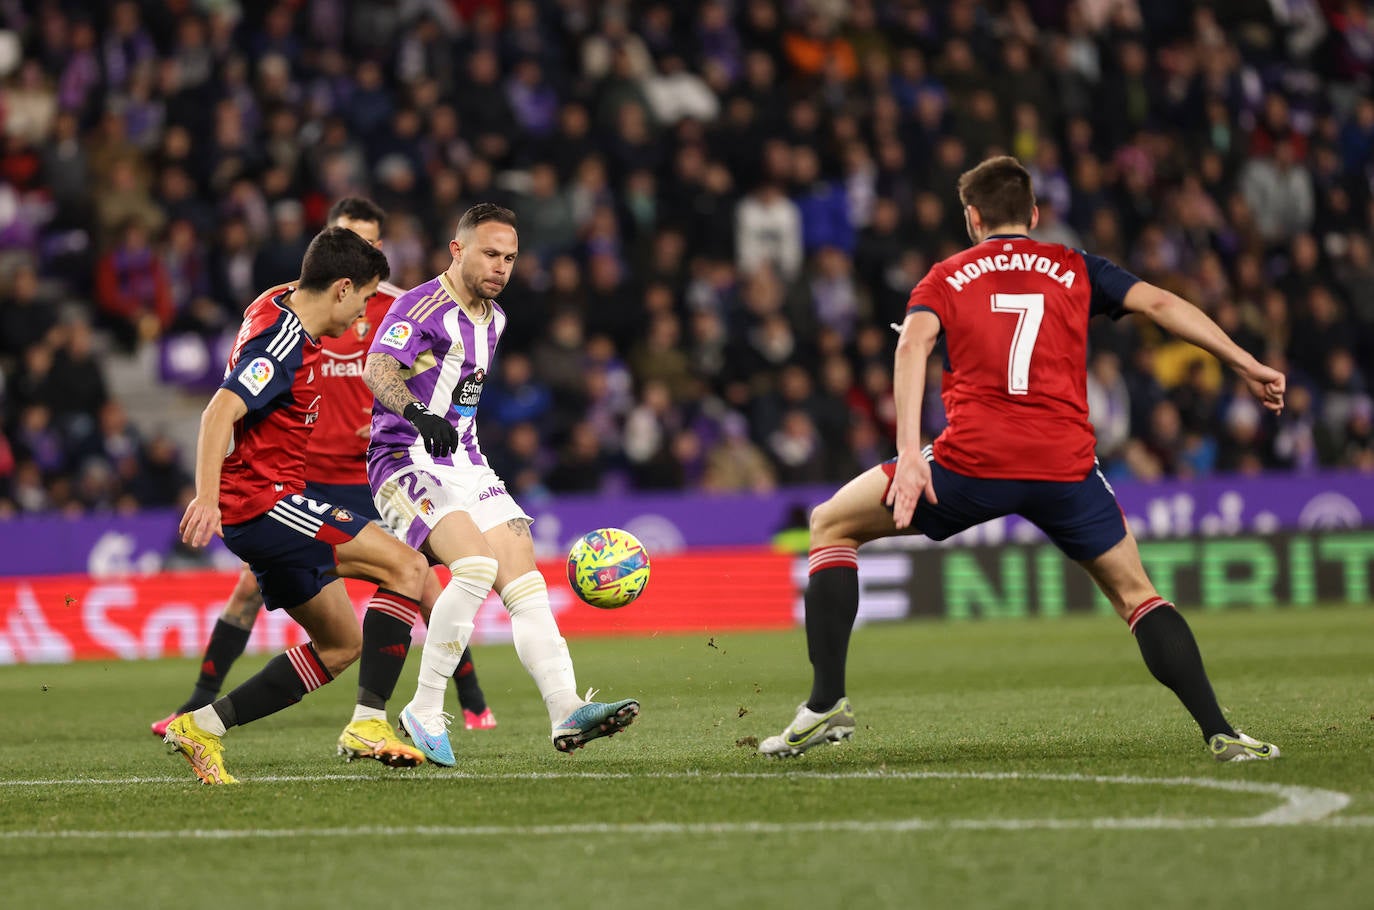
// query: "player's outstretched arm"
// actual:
[[1176, 315], [912, 477], [202, 517], [383, 376]]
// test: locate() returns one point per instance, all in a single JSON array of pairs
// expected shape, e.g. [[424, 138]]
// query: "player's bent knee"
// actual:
[[388, 562], [408, 573], [822, 521], [832, 523], [247, 582]]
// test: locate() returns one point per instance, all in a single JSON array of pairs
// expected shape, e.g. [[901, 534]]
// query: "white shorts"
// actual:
[[414, 499]]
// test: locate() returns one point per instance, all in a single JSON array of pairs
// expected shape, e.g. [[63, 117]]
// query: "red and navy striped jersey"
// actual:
[[272, 367], [1014, 313]]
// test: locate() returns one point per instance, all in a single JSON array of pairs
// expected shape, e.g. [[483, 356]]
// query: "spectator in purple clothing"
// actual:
[[532, 99], [81, 74], [718, 40], [126, 45]]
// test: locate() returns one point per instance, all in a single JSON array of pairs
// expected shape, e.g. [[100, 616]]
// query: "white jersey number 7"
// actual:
[[1029, 310]]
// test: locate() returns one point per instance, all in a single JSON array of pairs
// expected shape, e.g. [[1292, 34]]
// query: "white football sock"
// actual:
[[363, 712], [207, 718], [450, 627], [539, 645]]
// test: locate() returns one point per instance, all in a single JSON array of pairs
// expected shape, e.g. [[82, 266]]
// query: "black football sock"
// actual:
[[280, 684], [470, 694], [226, 644], [386, 641], [1172, 655], [832, 603]]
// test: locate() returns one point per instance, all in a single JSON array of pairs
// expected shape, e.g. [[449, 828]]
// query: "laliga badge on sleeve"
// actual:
[[257, 375], [397, 335]]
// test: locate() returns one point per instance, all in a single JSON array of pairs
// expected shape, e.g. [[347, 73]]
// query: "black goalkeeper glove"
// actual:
[[439, 435]]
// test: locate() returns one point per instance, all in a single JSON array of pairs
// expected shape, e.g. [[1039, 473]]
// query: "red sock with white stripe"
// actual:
[[386, 641], [832, 603], [280, 684], [1172, 656]]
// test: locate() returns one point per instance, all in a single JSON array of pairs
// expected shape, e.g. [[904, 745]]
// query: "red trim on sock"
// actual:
[[308, 667], [1144, 609], [395, 605], [832, 558]]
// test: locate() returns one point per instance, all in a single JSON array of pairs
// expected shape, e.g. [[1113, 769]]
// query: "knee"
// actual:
[[408, 574], [827, 525], [247, 582]]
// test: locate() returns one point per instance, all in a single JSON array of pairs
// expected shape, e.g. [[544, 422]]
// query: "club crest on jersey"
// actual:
[[466, 396], [257, 375], [397, 335], [342, 515], [361, 327], [426, 506]]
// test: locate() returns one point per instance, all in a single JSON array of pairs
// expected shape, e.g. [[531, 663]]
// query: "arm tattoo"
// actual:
[[383, 376]]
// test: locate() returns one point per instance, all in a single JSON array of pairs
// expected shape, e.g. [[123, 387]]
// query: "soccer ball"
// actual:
[[608, 568]]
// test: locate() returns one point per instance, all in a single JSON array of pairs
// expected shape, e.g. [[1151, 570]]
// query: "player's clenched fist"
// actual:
[[440, 436]]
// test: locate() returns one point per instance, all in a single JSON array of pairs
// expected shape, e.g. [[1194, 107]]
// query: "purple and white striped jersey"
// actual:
[[445, 358]]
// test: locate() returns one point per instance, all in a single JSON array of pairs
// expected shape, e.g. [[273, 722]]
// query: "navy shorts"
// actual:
[[1082, 517], [355, 497], [290, 547]]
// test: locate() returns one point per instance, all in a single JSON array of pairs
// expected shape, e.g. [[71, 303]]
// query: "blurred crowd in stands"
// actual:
[[723, 204]]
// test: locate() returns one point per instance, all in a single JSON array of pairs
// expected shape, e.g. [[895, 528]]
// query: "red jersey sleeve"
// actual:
[[929, 295]]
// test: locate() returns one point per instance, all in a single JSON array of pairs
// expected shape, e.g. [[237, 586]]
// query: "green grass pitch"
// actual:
[[996, 764]]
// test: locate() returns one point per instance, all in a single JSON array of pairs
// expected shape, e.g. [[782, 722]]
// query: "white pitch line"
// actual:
[[1351, 821], [1299, 806]]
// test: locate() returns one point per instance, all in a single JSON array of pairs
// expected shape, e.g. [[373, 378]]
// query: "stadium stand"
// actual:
[[723, 204]]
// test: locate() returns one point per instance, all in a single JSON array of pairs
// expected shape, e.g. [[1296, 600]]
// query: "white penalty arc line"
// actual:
[[1299, 806]]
